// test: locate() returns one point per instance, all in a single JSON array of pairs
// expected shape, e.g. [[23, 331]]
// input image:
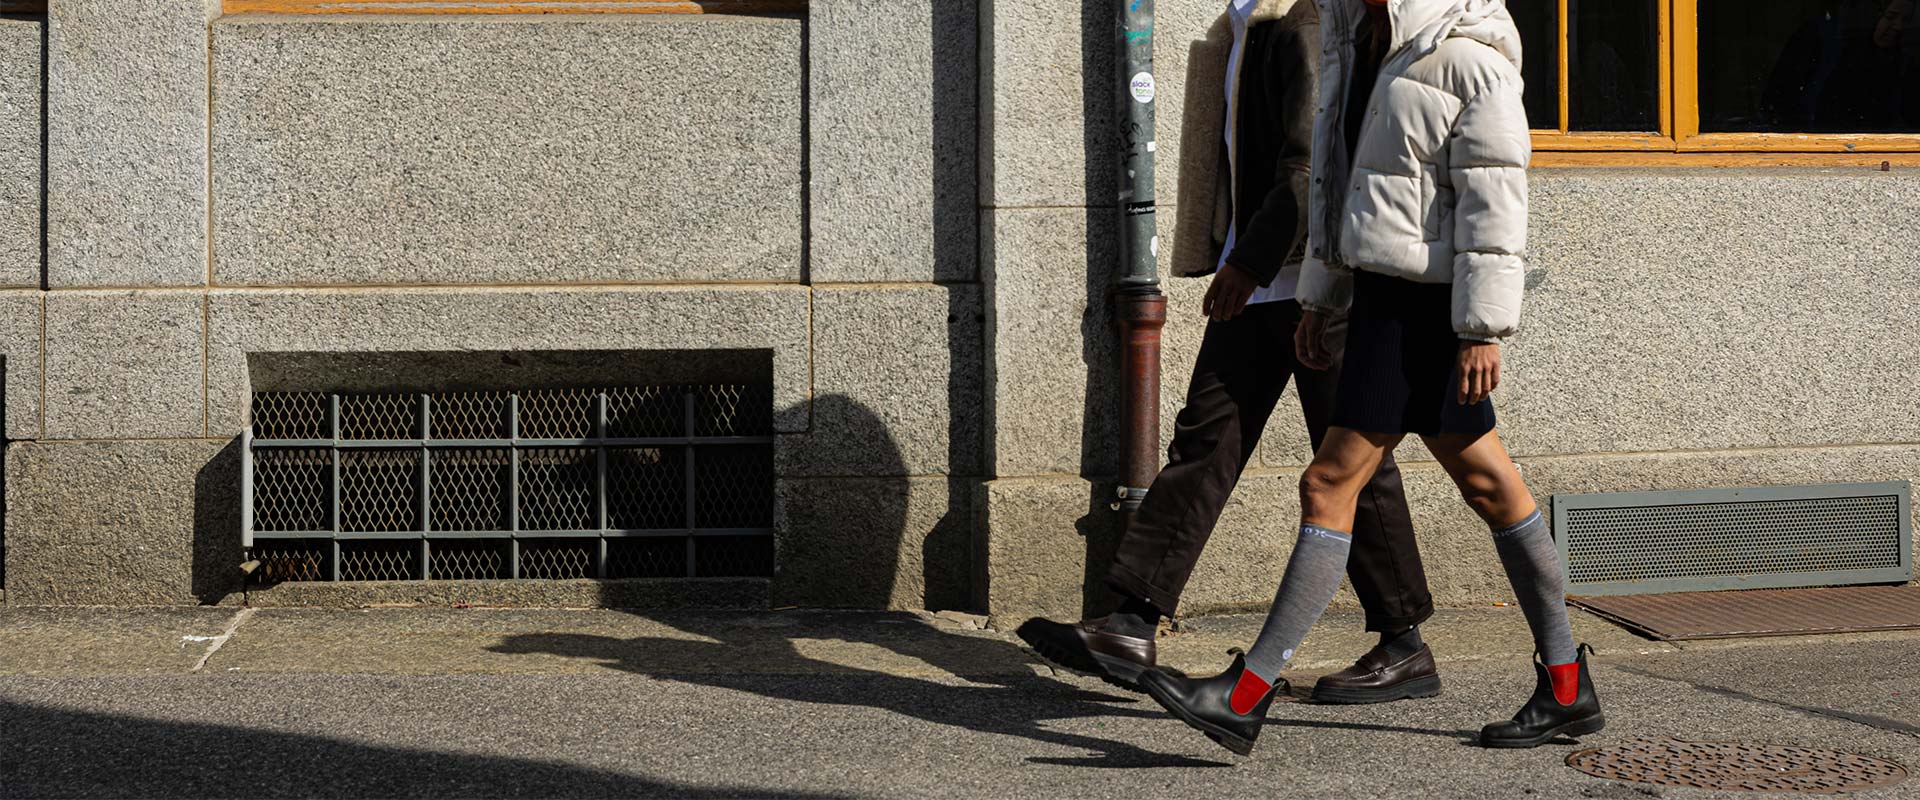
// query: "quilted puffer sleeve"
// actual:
[[1488, 158], [1323, 288]]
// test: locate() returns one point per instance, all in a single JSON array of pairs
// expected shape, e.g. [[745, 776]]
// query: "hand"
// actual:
[[1479, 364], [1310, 341], [1227, 294]]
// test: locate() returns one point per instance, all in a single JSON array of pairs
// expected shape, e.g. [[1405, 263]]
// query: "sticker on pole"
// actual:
[[1142, 87]]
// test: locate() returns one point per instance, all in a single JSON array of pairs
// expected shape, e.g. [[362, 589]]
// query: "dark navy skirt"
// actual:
[[1400, 374]]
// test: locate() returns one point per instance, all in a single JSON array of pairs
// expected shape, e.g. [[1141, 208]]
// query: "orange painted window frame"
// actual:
[[1679, 140], [514, 6]]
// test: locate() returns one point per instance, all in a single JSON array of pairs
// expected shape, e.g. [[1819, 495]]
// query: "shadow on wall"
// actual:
[[887, 541], [216, 554], [1100, 427], [69, 753]]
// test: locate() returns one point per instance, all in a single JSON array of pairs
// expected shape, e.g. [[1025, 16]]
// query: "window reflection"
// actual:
[[1539, 23], [1809, 66], [1613, 65]]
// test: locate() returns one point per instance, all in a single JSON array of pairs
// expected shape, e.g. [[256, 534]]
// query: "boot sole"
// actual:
[[1576, 728], [1117, 672], [1238, 745], [1406, 690]]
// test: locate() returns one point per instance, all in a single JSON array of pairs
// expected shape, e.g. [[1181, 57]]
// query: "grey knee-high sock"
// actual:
[[1314, 573], [1533, 567]]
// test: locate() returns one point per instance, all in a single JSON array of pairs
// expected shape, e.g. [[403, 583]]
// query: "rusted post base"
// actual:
[[1140, 316]]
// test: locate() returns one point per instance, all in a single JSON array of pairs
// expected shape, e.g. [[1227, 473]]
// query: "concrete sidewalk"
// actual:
[[458, 703]]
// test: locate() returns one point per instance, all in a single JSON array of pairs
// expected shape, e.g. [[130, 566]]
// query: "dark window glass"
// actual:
[[1539, 22], [1810, 66], [1613, 65]]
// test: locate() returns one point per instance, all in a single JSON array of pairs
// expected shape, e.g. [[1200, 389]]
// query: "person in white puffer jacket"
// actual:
[[1417, 234]]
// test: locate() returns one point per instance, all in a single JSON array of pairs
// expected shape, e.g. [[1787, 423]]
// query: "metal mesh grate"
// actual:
[[469, 490], [470, 415], [646, 411], [646, 488], [556, 414], [291, 493], [380, 416], [734, 556], [732, 410], [555, 559], [466, 559], [377, 490], [647, 558], [734, 487], [377, 560], [1757, 537], [290, 415], [292, 560], [556, 489], [629, 482]]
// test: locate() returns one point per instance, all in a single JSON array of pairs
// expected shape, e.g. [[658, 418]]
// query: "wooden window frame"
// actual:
[[1679, 140]]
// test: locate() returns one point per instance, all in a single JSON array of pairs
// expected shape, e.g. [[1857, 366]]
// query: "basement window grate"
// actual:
[[1704, 540], [625, 482]]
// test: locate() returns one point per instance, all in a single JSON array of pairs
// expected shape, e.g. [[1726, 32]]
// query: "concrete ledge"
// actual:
[[385, 321], [652, 594], [455, 149]]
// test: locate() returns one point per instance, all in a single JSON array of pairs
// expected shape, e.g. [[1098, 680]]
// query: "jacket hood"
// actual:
[[1421, 25]]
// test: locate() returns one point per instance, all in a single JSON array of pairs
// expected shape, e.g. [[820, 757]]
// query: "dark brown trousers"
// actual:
[[1242, 370]]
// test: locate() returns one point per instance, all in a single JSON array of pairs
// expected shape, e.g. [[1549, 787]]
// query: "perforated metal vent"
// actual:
[[628, 482], [1828, 535]]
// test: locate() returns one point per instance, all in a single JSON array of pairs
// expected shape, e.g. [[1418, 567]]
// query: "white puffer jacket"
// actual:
[[1437, 190]]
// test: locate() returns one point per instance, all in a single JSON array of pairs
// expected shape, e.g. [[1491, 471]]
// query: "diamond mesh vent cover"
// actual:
[[627, 482]]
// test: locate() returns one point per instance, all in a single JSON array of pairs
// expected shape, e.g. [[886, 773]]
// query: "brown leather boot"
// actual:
[[1377, 678], [1087, 647]]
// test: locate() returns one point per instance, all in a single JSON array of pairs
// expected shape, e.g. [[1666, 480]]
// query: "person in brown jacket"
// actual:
[[1242, 219]]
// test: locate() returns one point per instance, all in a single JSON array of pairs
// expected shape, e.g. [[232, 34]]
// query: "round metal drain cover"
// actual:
[[1745, 767]]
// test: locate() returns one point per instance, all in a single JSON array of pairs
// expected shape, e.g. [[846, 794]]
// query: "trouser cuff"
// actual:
[[1380, 622], [1129, 582]]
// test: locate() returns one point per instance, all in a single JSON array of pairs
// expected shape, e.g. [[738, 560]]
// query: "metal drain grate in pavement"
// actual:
[[1761, 612], [1738, 767]]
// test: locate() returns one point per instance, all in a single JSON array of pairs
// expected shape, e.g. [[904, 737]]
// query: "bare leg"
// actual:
[[1492, 486], [1485, 474], [1341, 468]]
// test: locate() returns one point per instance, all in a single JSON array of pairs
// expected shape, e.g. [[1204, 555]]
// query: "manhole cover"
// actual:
[[1744, 767]]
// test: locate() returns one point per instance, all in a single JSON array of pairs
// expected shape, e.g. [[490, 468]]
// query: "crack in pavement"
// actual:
[[217, 642], [1870, 720]]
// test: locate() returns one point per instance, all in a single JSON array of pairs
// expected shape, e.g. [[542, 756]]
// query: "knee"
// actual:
[[1320, 489], [1483, 492]]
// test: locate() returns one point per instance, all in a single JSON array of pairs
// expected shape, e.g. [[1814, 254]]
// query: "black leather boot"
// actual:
[[1543, 717], [1206, 704]]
